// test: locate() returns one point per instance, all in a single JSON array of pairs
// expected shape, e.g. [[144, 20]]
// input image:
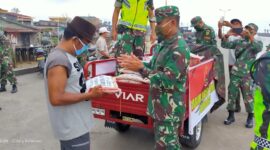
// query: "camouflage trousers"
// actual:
[[245, 86], [220, 76], [166, 135], [238, 98], [6, 73], [132, 41]]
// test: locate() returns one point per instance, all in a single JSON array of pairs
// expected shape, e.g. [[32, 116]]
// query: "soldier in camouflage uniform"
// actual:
[[260, 72], [167, 72], [205, 37], [132, 25], [6, 71], [246, 50]]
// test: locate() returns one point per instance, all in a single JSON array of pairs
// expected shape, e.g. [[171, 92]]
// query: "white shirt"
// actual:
[[101, 47]]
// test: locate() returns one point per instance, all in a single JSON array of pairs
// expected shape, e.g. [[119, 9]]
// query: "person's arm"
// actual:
[[116, 13], [103, 53], [167, 76], [257, 45], [152, 21], [220, 30], [229, 45], [57, 80], [153, 35], [172, 71], [131, 62]]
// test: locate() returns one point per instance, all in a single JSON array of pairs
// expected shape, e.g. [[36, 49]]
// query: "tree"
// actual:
[[15, 10]]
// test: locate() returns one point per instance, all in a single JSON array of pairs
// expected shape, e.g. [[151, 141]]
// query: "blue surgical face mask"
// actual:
[[82, 50], [237, 30]]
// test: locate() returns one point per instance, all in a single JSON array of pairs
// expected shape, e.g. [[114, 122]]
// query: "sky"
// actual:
[[210, 10]]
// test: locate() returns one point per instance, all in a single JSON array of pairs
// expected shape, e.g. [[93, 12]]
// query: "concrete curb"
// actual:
[[25, 71]]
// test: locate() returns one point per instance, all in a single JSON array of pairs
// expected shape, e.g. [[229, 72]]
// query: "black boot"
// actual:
[[14, 88], [249, 123], [230, 118], [220, 102], [3, 88]]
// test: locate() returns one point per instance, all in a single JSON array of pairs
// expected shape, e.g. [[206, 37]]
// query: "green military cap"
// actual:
[[195, 20], [253, 26], [166, 11]]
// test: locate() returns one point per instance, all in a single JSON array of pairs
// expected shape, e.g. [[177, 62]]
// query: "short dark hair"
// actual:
[[235, 20], [68, 34]]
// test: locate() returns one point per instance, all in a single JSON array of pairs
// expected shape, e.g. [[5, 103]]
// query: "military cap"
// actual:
[[195, 20], [252, 26], [166, 11], [235, 20]]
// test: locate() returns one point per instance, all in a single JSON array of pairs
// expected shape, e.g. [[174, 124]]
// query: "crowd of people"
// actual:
[[167, 71]]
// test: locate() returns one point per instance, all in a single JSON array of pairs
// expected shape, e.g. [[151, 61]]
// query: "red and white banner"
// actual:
[[202, 94]]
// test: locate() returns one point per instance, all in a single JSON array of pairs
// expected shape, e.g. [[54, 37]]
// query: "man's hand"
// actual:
[[249, 35], [153, 37], [95, 92], [130, 62], [227, 24]]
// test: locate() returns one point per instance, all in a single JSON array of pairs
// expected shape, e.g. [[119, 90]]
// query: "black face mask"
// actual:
[[197, 28], [237, 30]]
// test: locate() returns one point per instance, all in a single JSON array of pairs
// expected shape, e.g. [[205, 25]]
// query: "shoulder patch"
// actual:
[[207, 32]]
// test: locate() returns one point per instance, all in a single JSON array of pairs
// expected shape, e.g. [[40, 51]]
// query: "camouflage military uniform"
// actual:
[[261, 75], [132, 41], [83, 58], [246, 52], [206, 37], [168, 73], [6, 71], [6, 68]]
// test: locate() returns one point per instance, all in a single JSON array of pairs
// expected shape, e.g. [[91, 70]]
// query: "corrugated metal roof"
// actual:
[[12, 26]]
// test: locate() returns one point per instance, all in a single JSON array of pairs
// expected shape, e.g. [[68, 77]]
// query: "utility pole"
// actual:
[[224, 15], [224, 11]]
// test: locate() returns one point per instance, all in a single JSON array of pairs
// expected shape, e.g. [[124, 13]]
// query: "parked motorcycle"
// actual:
[[41, 58]]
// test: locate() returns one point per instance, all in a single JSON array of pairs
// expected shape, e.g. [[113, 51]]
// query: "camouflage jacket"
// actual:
[[245, 53], [261, 75], [206, 36], [4, 49], [3, 53], [167, 72]]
